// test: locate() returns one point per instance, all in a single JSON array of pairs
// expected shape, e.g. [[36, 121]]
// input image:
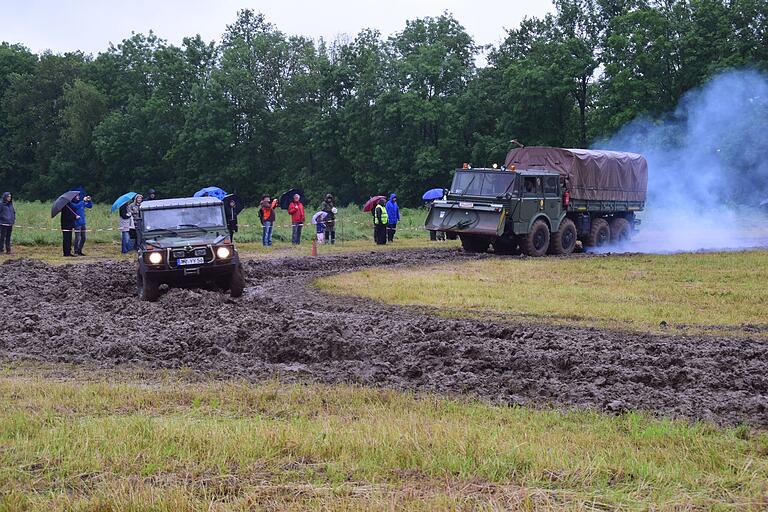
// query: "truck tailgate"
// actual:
[[467, 218]]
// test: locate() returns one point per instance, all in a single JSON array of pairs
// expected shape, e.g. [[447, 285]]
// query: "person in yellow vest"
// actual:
[[380, 221]]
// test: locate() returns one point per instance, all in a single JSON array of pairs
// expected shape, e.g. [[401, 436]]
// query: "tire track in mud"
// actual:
[[88, 314]]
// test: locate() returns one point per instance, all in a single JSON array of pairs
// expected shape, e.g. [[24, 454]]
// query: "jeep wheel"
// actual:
[[599, 235], [536, 242], [564, 240], [237, 282], [620, 230], [147, 289], [474, 244]]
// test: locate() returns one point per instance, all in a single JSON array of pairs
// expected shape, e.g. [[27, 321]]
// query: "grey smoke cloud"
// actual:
[[707, 167]]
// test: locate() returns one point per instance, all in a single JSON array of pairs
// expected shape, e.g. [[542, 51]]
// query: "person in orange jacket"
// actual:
[[267, 218], [296, 211]]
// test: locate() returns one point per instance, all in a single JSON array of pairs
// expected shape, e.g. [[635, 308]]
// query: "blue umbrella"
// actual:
[[123, 199], [212, 192], [431, 195]]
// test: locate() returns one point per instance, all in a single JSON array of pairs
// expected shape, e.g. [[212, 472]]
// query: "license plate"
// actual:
[[190, 261], [466, 205]]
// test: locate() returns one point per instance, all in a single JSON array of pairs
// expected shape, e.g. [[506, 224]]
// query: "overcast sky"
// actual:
[[90, 25]]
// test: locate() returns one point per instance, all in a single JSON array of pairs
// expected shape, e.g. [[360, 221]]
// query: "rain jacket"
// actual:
[[330, 219], [79, 207], [267, 211], [67, 217], [296, 211], [393, 211], [7, 211], [125, 218], [380, 215]]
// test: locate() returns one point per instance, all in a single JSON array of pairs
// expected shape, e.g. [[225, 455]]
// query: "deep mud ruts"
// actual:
[[283, 327]]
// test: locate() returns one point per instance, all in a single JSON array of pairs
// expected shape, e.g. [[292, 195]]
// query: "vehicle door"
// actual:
[[531, 203], [552, 202]]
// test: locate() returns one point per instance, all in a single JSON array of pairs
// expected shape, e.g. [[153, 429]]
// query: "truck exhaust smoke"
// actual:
[[707, 168]]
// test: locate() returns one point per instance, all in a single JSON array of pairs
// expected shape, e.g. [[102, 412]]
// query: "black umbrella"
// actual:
[[62, 201], [287, 197], [238, 203]]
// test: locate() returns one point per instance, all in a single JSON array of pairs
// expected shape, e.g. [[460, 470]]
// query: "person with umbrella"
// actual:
[[79, 204], [135, 211], [393, 217], [296, 211], [267, 218], [430, 196], [318, 220], [122, 204], [68, 223], [380, 222], [7, 220]]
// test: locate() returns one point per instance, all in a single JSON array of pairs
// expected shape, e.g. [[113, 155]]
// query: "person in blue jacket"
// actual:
[[79, 205], [393, 216]]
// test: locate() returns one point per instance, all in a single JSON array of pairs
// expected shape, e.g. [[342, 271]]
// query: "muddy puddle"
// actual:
[[283, 327]]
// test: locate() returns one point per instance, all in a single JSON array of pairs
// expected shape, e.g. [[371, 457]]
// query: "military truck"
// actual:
[[185, 242], [543, 199]]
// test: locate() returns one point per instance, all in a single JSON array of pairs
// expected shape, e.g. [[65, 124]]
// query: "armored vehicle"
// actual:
[[185, 242], [543, 200]]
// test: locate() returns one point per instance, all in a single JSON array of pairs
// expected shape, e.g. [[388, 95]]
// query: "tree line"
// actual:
[[262, 111]]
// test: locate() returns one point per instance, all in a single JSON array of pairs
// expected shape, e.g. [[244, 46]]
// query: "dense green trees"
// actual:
[[262, 111]]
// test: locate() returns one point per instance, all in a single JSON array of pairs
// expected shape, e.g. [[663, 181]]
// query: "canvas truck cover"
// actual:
[[591, 174]]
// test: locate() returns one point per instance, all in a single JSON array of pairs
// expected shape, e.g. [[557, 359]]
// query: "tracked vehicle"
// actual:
[[185, 242], [543, 200]]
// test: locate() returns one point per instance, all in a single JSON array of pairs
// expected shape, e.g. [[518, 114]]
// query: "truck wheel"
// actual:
[[599, 235], [536, 242], [474, 243], [620, 230], [237, 282], [506, 245], [564, 240], [147, 289]]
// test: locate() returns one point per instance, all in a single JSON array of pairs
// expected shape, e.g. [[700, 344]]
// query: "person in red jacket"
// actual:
[[296, 211]]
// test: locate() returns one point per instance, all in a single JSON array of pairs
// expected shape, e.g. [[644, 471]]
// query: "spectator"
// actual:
[[329, 207], [231, 211], [393, 217], [125, 229], [68, 219], [79, 205], [135, 212], [152, 195], [296, 211], [7, 220], [380, 223], [267, 218]]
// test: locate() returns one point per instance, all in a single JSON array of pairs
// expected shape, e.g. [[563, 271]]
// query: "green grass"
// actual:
[[712, 291], [146, 441], [35, 226]]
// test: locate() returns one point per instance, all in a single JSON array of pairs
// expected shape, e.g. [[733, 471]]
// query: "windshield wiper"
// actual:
[[504, 194], [192, 226]]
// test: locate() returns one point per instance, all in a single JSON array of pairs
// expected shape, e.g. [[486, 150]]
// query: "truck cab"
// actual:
[[185, 242]]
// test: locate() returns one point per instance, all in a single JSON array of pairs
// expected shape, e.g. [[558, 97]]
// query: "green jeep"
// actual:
[[185, 242]]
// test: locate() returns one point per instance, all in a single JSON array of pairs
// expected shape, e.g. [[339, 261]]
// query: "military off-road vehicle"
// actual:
[[543, 200], [185, 242]]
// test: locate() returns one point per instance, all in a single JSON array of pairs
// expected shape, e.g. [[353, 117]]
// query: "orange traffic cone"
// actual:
[[314, 247]]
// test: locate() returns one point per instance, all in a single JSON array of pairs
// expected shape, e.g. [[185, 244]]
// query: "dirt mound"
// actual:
[[283, 326]]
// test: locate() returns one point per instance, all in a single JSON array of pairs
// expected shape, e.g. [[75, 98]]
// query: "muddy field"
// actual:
[[87, 314]]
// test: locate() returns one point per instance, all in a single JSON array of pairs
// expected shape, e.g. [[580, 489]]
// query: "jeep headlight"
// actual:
[[155, 258], [223, 252]]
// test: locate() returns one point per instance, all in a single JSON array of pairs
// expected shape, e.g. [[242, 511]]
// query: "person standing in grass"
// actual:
[[68, 218], [329, 207], [79, 205], [135, 211], [267, 218], [380, 222], [296, 211], [126, 245], [393, 217], [7, 220]]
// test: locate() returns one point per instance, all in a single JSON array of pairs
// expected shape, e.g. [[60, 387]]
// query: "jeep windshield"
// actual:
[[196, 218], [494, 184]]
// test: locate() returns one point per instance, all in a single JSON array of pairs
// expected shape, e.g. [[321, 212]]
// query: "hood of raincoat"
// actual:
[[6, 195], [7, 212]]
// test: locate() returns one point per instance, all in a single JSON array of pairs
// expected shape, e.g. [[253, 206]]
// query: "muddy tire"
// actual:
[[599, 234], [536, 242], [450, 235], [621, 231], [474, 244], [237, 282], [146, 288], [564, 240]]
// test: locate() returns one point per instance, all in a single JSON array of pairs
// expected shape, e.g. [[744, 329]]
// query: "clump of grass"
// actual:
[[169, 444], [704, 291]]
